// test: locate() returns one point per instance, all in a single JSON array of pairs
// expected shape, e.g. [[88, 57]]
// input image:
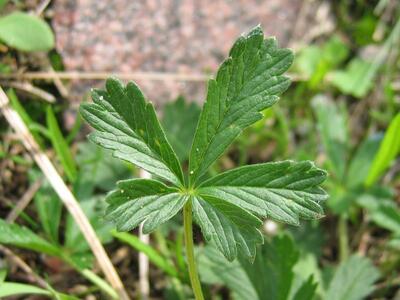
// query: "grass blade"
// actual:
[[60, 145], [153, 255]]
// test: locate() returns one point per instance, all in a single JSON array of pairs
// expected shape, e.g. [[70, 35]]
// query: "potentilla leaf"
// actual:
[[127, 124], [138, 200], [272, 274], [283, 191], [230, 227], [248, 82], [228, 207], [353, 280]]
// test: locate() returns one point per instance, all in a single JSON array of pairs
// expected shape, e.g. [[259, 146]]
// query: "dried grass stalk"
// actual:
[[64, 193]]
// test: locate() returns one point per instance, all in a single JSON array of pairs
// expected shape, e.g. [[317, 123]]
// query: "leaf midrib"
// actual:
[[229, 101]]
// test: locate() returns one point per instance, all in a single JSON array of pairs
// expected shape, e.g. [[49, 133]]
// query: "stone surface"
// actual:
[[184, 36]]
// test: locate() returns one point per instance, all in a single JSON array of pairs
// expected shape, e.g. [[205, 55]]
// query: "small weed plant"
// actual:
[[230, 206]]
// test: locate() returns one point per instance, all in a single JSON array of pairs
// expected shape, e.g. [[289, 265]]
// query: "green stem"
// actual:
[[343, 238], [194, 277]]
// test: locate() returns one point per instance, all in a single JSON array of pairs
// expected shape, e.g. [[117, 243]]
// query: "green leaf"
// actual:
[[314, 62], [271, 276], [283, 191], [388, 150], [156, 258], [353, 280], [60, 296], [332, 124], [361, 162], [359, 76], [215, 269], [16, 104], [138, 200], [19, 236], [248, 82], [307, 61], [80, 260], [364, 28], [26, 32], [3, 3], [307, 267], [100, 282], [127, 124], [13, 288], [231, 228], [394, 243], [383, 212], [272, 272], [310, 238], [332, 54], [49, 208], [74, 130], [3, 275], [60, 145], [93, 208], [353, 81], [180, 121], [307, 290], [98, 169]]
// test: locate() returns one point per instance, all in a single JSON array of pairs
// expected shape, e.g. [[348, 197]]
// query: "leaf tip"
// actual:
[[257, 30], [113, 82]]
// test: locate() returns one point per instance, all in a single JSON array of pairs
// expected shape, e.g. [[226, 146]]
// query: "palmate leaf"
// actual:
[[127, 124], [272, 272], [248, 82], [228, 207], [353, 280], [272, 276], [215, 269]]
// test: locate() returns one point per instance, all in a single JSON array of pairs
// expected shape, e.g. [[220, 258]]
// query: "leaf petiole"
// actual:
[[194, 276]]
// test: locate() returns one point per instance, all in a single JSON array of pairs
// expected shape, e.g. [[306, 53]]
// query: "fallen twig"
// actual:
[[77, 75], [58, 83], [41, 7], [144, 284], [16, 260], [64, 193], [24, 201], [29, 88]]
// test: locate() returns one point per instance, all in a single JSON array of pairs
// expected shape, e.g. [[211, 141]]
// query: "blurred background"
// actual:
[[342, 111]]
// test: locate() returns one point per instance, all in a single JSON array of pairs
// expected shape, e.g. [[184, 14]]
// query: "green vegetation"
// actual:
[[235, 205]]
